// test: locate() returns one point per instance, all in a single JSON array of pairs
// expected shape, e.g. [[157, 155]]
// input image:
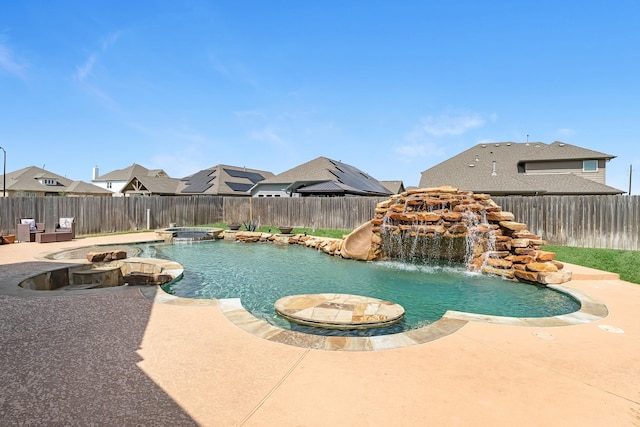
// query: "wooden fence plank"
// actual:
[[587, 221]]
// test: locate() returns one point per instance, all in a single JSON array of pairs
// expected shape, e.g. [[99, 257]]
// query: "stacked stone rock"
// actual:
[[500, 245], [327, 245]]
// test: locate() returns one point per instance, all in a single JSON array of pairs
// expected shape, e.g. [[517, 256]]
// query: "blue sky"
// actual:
[[392, 88]]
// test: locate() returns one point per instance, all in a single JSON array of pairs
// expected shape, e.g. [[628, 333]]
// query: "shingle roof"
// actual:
[[473, 170], [81, 187], [28, 180], [395, 187], [350, 179], [316, 170], [562, 151], [154, 184], [222, 180], [129, 172], [330, 187]]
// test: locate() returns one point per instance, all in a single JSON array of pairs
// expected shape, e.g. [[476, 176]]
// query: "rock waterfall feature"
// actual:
[[444, 224]]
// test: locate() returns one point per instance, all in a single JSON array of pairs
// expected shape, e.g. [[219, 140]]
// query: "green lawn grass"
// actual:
[[625, 263], [319, 232]]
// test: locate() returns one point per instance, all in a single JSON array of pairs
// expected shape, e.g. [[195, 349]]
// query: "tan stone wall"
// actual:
[[501, 245]]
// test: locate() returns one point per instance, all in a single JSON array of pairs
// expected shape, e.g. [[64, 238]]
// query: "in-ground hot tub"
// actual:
[[132, 271], [188, 234]]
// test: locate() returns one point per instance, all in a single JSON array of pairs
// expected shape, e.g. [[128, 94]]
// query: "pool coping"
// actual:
[[591, 310], [10, 285]]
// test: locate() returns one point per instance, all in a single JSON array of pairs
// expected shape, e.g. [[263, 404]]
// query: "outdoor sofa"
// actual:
[[30, 231]]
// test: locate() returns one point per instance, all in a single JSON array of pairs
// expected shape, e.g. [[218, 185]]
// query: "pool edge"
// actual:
[[591, 310]]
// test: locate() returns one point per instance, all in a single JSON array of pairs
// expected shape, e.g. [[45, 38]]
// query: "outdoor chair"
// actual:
[[66, 226], [28, 228]]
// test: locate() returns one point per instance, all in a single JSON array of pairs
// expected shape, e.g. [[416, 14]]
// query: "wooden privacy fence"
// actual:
[[95, 215], [340, 213], [585, 221]]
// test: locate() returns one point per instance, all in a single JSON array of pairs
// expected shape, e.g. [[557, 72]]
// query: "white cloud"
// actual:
[[565, 132], [9, 64], [249, 114], [419, 141], [269, 135], [84, 71], [218, 65], [110, 40], [192, 136], [180, 164], [450, 124], [413, 151]]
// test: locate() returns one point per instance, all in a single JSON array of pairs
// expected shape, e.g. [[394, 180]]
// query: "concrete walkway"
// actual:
[[117, 358]]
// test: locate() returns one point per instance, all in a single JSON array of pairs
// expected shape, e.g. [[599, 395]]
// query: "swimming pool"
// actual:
[[259, 274]]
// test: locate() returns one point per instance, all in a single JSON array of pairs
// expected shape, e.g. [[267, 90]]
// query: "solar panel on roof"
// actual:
[[355, 178], [238, 186], [254, 177], [329, 187], [199, 182]]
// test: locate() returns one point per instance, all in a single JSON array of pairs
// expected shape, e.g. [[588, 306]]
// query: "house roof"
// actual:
[[223, 180], [129, 172], [330, 187], [558, 151], [157, 185], [81, 187], [29, 179], [349, 179], [473, 170], [395, 187]]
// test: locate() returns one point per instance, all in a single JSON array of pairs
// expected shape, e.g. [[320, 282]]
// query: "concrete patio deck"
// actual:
[[119, 358]]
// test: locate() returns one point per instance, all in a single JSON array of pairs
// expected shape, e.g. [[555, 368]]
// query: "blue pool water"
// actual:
[[261, 273]]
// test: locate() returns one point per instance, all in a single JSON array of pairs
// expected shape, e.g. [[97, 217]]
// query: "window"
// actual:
[[590, 166], [108, 184]]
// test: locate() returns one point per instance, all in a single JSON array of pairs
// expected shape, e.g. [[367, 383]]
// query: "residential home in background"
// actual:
[[220, 180], [115, 180], [223, 180], [144, 185], [35, 181], [519, 168], [320, 177], [395, 187]]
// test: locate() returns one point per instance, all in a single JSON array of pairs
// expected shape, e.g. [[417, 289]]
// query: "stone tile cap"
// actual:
[[338, 309]]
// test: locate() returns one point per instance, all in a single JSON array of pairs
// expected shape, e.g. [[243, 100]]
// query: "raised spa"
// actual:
[[188, 234]]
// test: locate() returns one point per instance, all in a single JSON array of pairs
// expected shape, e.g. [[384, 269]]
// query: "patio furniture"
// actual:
[[65, 231], [66, 226], [28, 229], [46, 237]]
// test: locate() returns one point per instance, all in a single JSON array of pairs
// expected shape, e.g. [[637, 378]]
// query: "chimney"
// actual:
[[96, 173]]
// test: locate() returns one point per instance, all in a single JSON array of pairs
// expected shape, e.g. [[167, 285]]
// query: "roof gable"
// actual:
[[129, 172], [395, 187], [313, 170], [563, 151], [322, 169], [152, 185], [493, 168], [223, 180], [35, 179], [82, 187]]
